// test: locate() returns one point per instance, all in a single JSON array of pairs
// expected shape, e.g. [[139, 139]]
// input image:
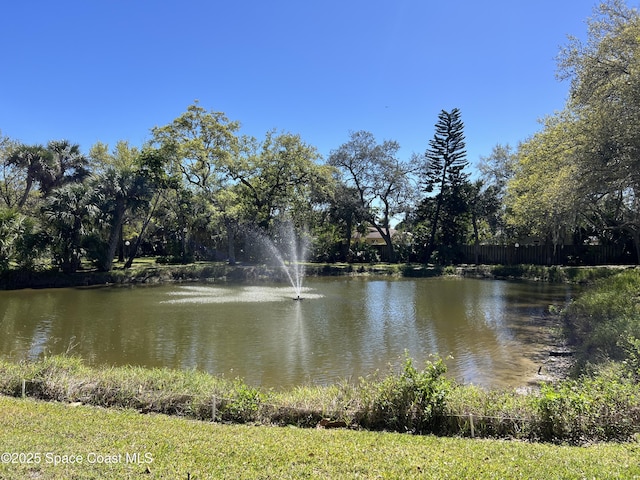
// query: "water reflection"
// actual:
[[345, 328]]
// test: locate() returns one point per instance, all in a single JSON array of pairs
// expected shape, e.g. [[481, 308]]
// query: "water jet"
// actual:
[[289, 256]]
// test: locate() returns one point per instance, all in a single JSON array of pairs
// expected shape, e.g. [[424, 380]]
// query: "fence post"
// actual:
[[213, 408], [473, 433]]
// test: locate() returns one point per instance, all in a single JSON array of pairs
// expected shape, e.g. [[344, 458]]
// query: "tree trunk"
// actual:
[[346, 242], [121, 243], [25, 195], [476, 238], [434, 227], [114, 235], [635, 234], [386, 236], [134, 250], [231, 243]]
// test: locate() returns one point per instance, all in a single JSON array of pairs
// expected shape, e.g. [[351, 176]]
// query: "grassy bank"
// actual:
[[600, 408], [126, 445], [146, 271], [603, 324]]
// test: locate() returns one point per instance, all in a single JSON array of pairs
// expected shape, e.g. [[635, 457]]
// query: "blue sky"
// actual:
[[105, 71]]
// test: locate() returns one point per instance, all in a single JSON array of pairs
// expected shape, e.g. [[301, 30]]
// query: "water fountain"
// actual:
[[295, 253]]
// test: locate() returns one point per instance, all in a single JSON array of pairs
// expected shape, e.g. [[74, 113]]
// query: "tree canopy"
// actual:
[[199, 187]]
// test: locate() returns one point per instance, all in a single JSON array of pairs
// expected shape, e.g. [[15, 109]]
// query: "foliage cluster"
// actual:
[[199, 187], [604, 322], [590, 146], [553, 274], [602, 406], [412, 401], [199, 190], [605, 406]]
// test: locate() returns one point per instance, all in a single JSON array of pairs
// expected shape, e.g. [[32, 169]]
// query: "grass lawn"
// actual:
[[122, 444]]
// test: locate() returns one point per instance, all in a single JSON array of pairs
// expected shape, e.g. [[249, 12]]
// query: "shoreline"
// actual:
[[207, 272], [413, 401]]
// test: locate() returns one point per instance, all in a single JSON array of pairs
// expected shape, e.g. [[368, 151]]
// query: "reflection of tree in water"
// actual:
[[345, 328]]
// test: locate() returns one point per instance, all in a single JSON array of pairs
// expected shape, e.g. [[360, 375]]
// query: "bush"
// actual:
[[603, 406], [601, 320], [413, 401]]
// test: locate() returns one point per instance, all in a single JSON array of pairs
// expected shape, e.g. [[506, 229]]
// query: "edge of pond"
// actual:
[[149, 274]]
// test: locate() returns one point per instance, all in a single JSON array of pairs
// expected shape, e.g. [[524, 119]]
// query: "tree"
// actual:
[[346, 211], [12, 226], [497, 170], [60, 163], [605, 100], [279, 180], [445, 160], [542, 197], [67, 212], [66, 165], [32, 160], [126, 188], [118, 192], [381, 180], [12, 179], [149, 166], [201, 146]]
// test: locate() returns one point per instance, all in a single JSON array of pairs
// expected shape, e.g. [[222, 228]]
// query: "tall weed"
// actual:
[[599, 320], [413, 401]]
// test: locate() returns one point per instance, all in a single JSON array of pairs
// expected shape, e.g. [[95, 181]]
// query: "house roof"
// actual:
[[373, 236]]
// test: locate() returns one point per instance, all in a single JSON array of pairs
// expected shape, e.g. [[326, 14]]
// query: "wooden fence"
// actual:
[[547, 255]]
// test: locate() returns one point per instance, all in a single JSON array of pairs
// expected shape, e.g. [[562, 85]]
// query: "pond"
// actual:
[[344, 328]]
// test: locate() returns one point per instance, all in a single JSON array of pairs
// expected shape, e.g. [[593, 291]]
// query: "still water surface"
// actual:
[[343, 329]]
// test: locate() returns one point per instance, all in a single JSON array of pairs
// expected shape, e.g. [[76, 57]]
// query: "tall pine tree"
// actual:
[[445, 160]]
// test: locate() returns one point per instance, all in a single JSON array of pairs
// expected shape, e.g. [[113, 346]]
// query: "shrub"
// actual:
[[413, 401], [603, 406], [597, 321]]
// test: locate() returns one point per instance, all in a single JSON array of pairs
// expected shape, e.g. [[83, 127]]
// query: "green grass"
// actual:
[[177, 448]]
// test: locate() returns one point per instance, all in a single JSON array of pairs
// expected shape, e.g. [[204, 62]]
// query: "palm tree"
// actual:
[[58, 164], [67, 211], [33, 159], [66, 165], [118, 191]]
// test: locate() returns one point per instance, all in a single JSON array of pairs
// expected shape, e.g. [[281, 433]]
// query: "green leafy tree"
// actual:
[[12, 226], [60, 163], [67, 164], [583, 168], [346, 212], [381, 180], [543, 195], [12, 179], [496, 169], [201, 146], [117, 193], [605, 100], [125, 192], [32, 160], [148, 165], [279, 180]]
